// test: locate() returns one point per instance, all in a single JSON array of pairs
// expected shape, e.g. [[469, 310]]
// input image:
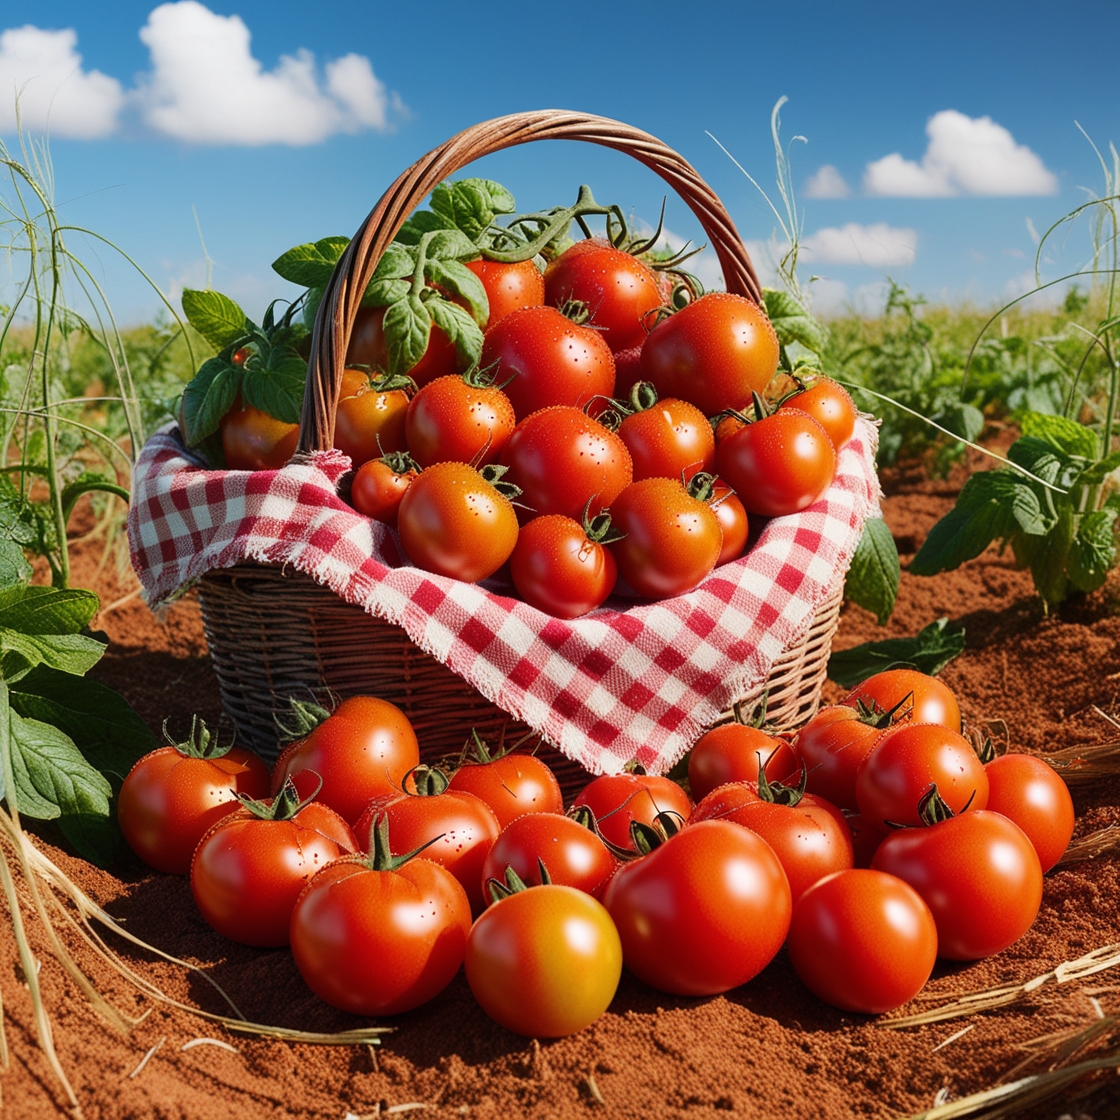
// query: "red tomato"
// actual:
[[627, 370], [932, 701], [560, 567], [667, 438], [562, 460], [370, 419], [254, 441], [830, 404], [714, 352], [367, 348], [509, 287], [462, 826], [544, 962], [573, 855], [905, 762], [862, 941], [454, 522], [1029, 792], [249, 868], [865, 839], [616, 800], [809, 836], [362, 749], [732, 517], [833, 745], [374, 936], [778, 465], [618, 289], [543, 358], [379, 485], [175, 793], [979, 875], [702, 913], [734, 752], [463, 419], [671, 540], [511, 784]]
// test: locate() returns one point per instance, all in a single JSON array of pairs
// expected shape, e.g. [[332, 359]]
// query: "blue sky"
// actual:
[[946, 132]]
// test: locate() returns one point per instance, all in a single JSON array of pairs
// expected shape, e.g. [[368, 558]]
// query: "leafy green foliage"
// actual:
[[873, 577], [929, 651]]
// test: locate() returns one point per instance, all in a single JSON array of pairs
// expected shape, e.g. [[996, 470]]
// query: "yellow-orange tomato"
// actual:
[[369, 422]]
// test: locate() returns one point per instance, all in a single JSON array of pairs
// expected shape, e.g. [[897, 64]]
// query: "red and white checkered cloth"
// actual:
[[627, 681]]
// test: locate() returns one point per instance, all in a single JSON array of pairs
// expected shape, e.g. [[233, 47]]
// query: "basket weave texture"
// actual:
[[300, 590]]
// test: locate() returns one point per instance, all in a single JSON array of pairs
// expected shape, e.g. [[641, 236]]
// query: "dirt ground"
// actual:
[[768, 1049]]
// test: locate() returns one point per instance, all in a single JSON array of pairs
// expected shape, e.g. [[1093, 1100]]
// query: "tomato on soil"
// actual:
[[1029, 792], [616, 800], [544, 962], [254, 441], [734, 752], [511, 784], [932, 700], [862, 941]]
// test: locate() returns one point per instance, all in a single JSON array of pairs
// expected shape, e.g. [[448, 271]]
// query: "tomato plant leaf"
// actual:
[[311, 265], [418, 224], [457, 324], [1047, 554], [1060, 433], [1097, 472], [1043, 459], [962, 419], [1092, 552], [407, 326], [381, 293], [456, 278], [398, 262], [207, 398], [792, 321], [873, 577], [450, 245], [991, 506], [15, 571], [929, 651], [50, 610], [71, 653], [470, 205], [216, 317], [102, 724], [277, 388]]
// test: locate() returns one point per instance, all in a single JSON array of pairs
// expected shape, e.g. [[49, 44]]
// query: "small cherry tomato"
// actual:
[[250, 867], [616, 800], [979, 875], [830, 404], [172, 796], [931, 701], [544, 962], [380, 934], [1029, 792], [862, 941], [733, 520], [906, 762], [379, 485], [361, 749], [703, 912]]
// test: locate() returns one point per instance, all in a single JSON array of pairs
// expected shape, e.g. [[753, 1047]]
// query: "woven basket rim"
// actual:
[[334, 321]]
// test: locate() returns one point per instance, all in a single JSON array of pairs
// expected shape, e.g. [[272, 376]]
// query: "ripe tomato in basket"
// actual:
[[666, 437], [174, 794], [714, 352], [360, 750], [831, 405], [618, 290], [380, 934], [733, 520], [370, 421], [463, 419], [254, 441], [562, 460], [379, 485], [455, 522], [542, 358], [250, 868], [617, 800], [367, 348], [509, 286]]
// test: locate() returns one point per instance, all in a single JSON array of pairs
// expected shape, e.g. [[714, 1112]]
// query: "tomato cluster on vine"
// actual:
[[872, 842]]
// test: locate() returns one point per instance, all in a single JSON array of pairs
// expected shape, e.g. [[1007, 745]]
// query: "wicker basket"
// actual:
[[273, 633]]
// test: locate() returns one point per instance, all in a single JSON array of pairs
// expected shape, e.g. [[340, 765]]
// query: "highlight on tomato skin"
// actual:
[[1032, 794]]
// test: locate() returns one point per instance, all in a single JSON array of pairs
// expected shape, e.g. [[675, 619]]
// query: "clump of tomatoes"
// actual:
[[872, 842]]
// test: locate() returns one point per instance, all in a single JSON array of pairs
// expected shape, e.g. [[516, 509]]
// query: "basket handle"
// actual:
[[342, 298]]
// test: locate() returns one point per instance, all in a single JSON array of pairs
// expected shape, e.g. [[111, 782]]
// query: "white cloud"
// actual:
[[965, 155], [876, 246], [45, 70], [827, 182], [206, 87]]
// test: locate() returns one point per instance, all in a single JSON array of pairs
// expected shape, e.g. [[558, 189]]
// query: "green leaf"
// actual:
[[1096, 473], [455, 278], [420, 223], [216, 317], [792, 321], [311, 265], [1060, 432], [398, 262], [929, 652], [991, 506], [311, 307], [15, 571], [71, 653], [103, 725], [470, 205], [50, 610], [407, 327], [1043, 459], [962, 419], [1047, 556], [1092, 553], [277, 388], [450, 245], [381, 293], [17, 517], [457, 324], [873, 577], [207, 398]]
